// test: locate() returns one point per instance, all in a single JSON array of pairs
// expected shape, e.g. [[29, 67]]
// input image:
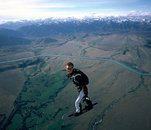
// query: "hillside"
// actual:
[[11, 37]]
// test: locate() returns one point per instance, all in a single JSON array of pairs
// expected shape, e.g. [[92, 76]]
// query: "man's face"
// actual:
[[69, 69]]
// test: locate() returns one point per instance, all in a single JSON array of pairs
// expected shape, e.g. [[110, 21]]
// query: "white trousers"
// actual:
[[78, 100]]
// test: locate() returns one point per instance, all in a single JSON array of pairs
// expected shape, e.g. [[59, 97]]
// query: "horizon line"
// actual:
[[76, 16]]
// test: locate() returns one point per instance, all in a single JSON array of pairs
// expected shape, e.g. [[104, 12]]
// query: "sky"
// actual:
[[41, 9]]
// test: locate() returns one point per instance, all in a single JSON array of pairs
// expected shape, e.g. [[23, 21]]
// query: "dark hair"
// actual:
[[69, 64]]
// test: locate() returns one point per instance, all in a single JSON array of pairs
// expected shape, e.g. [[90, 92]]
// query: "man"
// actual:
[[80, 80]]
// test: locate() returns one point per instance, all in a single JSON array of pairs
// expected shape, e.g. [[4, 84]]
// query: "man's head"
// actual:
[[69, 67]]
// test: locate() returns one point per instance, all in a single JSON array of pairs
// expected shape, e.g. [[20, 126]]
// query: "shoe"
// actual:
[[77, 113], [89, 102], [89, 105]]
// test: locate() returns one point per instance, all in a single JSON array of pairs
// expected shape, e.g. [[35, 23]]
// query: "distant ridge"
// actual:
[[88, 25], [11, 37], [137, 17], [93, 24]]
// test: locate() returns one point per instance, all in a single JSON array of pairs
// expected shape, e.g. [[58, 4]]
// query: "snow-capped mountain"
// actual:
[[93, 23], [134, 16]]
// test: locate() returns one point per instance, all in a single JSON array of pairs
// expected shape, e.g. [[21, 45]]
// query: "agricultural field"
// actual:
[[35, 93]]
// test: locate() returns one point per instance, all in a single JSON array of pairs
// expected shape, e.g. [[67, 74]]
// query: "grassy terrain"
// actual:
[[43, 94], [11, 83]]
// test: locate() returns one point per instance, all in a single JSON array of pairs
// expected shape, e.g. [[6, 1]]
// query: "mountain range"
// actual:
[[71, 26]]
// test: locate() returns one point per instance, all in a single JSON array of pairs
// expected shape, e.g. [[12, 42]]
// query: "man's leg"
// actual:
[[85, 90], [78, 100], [86, 98]]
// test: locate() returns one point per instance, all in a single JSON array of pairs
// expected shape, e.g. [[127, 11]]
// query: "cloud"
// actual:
[[32, 9]]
